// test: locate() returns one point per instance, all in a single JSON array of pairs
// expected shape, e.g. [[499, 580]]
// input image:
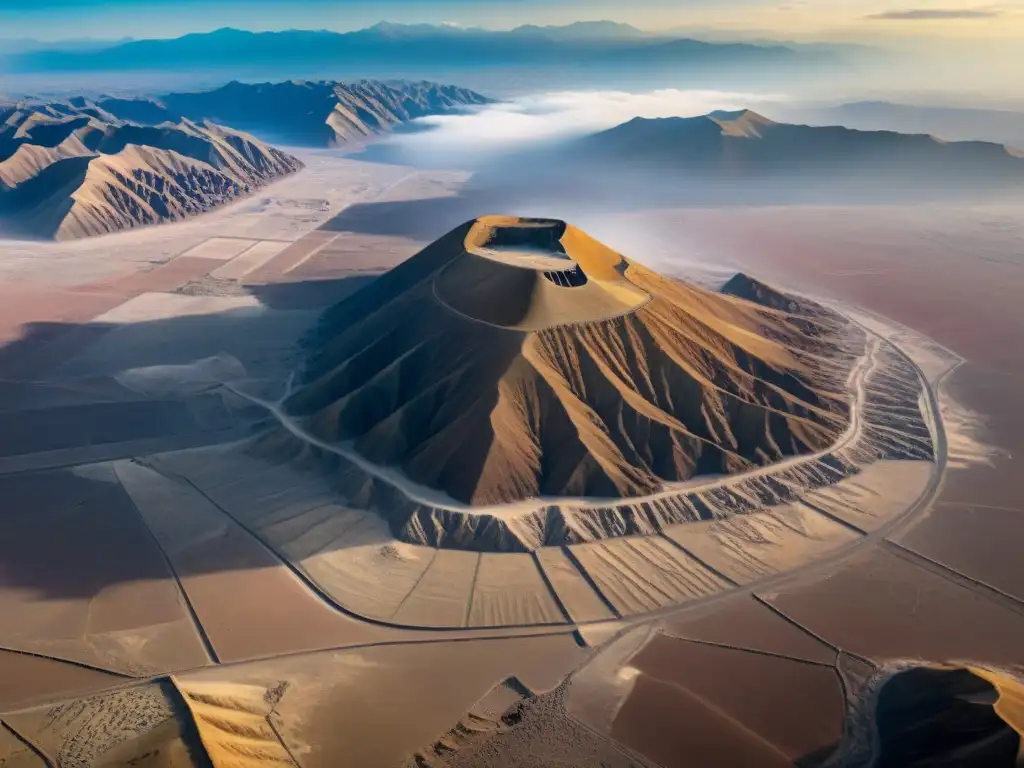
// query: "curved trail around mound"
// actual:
[[510, 511], [818, 566]]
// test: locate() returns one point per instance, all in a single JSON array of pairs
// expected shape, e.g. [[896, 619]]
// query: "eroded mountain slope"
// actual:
[[316, 113], [515, 359], [71, 170]]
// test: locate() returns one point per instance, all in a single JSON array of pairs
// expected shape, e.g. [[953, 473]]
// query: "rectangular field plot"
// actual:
[[441, 598], [364, 568], [249, 603], [580, 600], [875, 495], [220, 248], [639, 574], [83, 579], [746, 548], [294, 255], [511, 592], [249, 260]]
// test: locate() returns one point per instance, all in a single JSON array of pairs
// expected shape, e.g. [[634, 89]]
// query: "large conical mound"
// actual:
[[517, 358], [514, 274]]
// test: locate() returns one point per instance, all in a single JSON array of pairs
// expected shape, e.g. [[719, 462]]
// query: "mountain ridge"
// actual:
[[513, 383], [73, 170], [304, 112], [393, 46], [748, 124], [1001, 126], [742, 157]]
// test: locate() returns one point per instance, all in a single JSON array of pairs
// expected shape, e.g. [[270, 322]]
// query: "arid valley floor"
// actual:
[[178, 588]]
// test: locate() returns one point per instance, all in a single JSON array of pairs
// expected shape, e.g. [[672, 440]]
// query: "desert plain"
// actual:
[[182, 582]]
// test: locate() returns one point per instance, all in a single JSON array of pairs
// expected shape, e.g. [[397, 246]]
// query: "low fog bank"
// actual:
[[587, 146], [480, 137]]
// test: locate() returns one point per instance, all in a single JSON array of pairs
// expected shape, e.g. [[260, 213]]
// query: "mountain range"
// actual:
[[394, 47], [490, 368], [69, 170], [744, 157], [305, 113], [84, 167], [952, 123], [81, 167], [27, 44]]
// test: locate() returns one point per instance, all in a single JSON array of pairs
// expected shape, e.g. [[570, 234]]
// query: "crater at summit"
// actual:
[[516, 359]]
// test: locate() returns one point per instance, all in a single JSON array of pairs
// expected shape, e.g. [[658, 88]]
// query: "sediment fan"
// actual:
[[518, 359]]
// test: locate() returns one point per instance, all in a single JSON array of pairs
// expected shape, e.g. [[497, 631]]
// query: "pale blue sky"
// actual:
[[849, 19]]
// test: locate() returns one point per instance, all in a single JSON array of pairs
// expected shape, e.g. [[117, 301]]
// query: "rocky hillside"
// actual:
[[515, 359], [742, 157], [305, 113], [744, 142], [74, 169]]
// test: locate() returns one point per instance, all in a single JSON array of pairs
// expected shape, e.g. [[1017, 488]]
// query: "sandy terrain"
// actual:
[[750, 692], [280, 563], [350, 555], [638, 575], [873, 496], [236, 723], [880, 604], [742, 620], [270, 612], [597, 690], [485, 718], [509, 591], [441, 595], [25, 678], [284, 211], [194, 339], [949, 274], [369, 572], [672, 727], [113, 603], [377, 706], [249, 260], [115, 728], [486, 737], [295, 255], [535, 339], [900, 618], [911, 263], [753, 547], [333, 534], [219, 248], [49, 429], [15, 752], [581, 602]]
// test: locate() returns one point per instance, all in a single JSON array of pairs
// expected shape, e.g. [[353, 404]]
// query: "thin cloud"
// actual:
[[464, 139], [937, 14]]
